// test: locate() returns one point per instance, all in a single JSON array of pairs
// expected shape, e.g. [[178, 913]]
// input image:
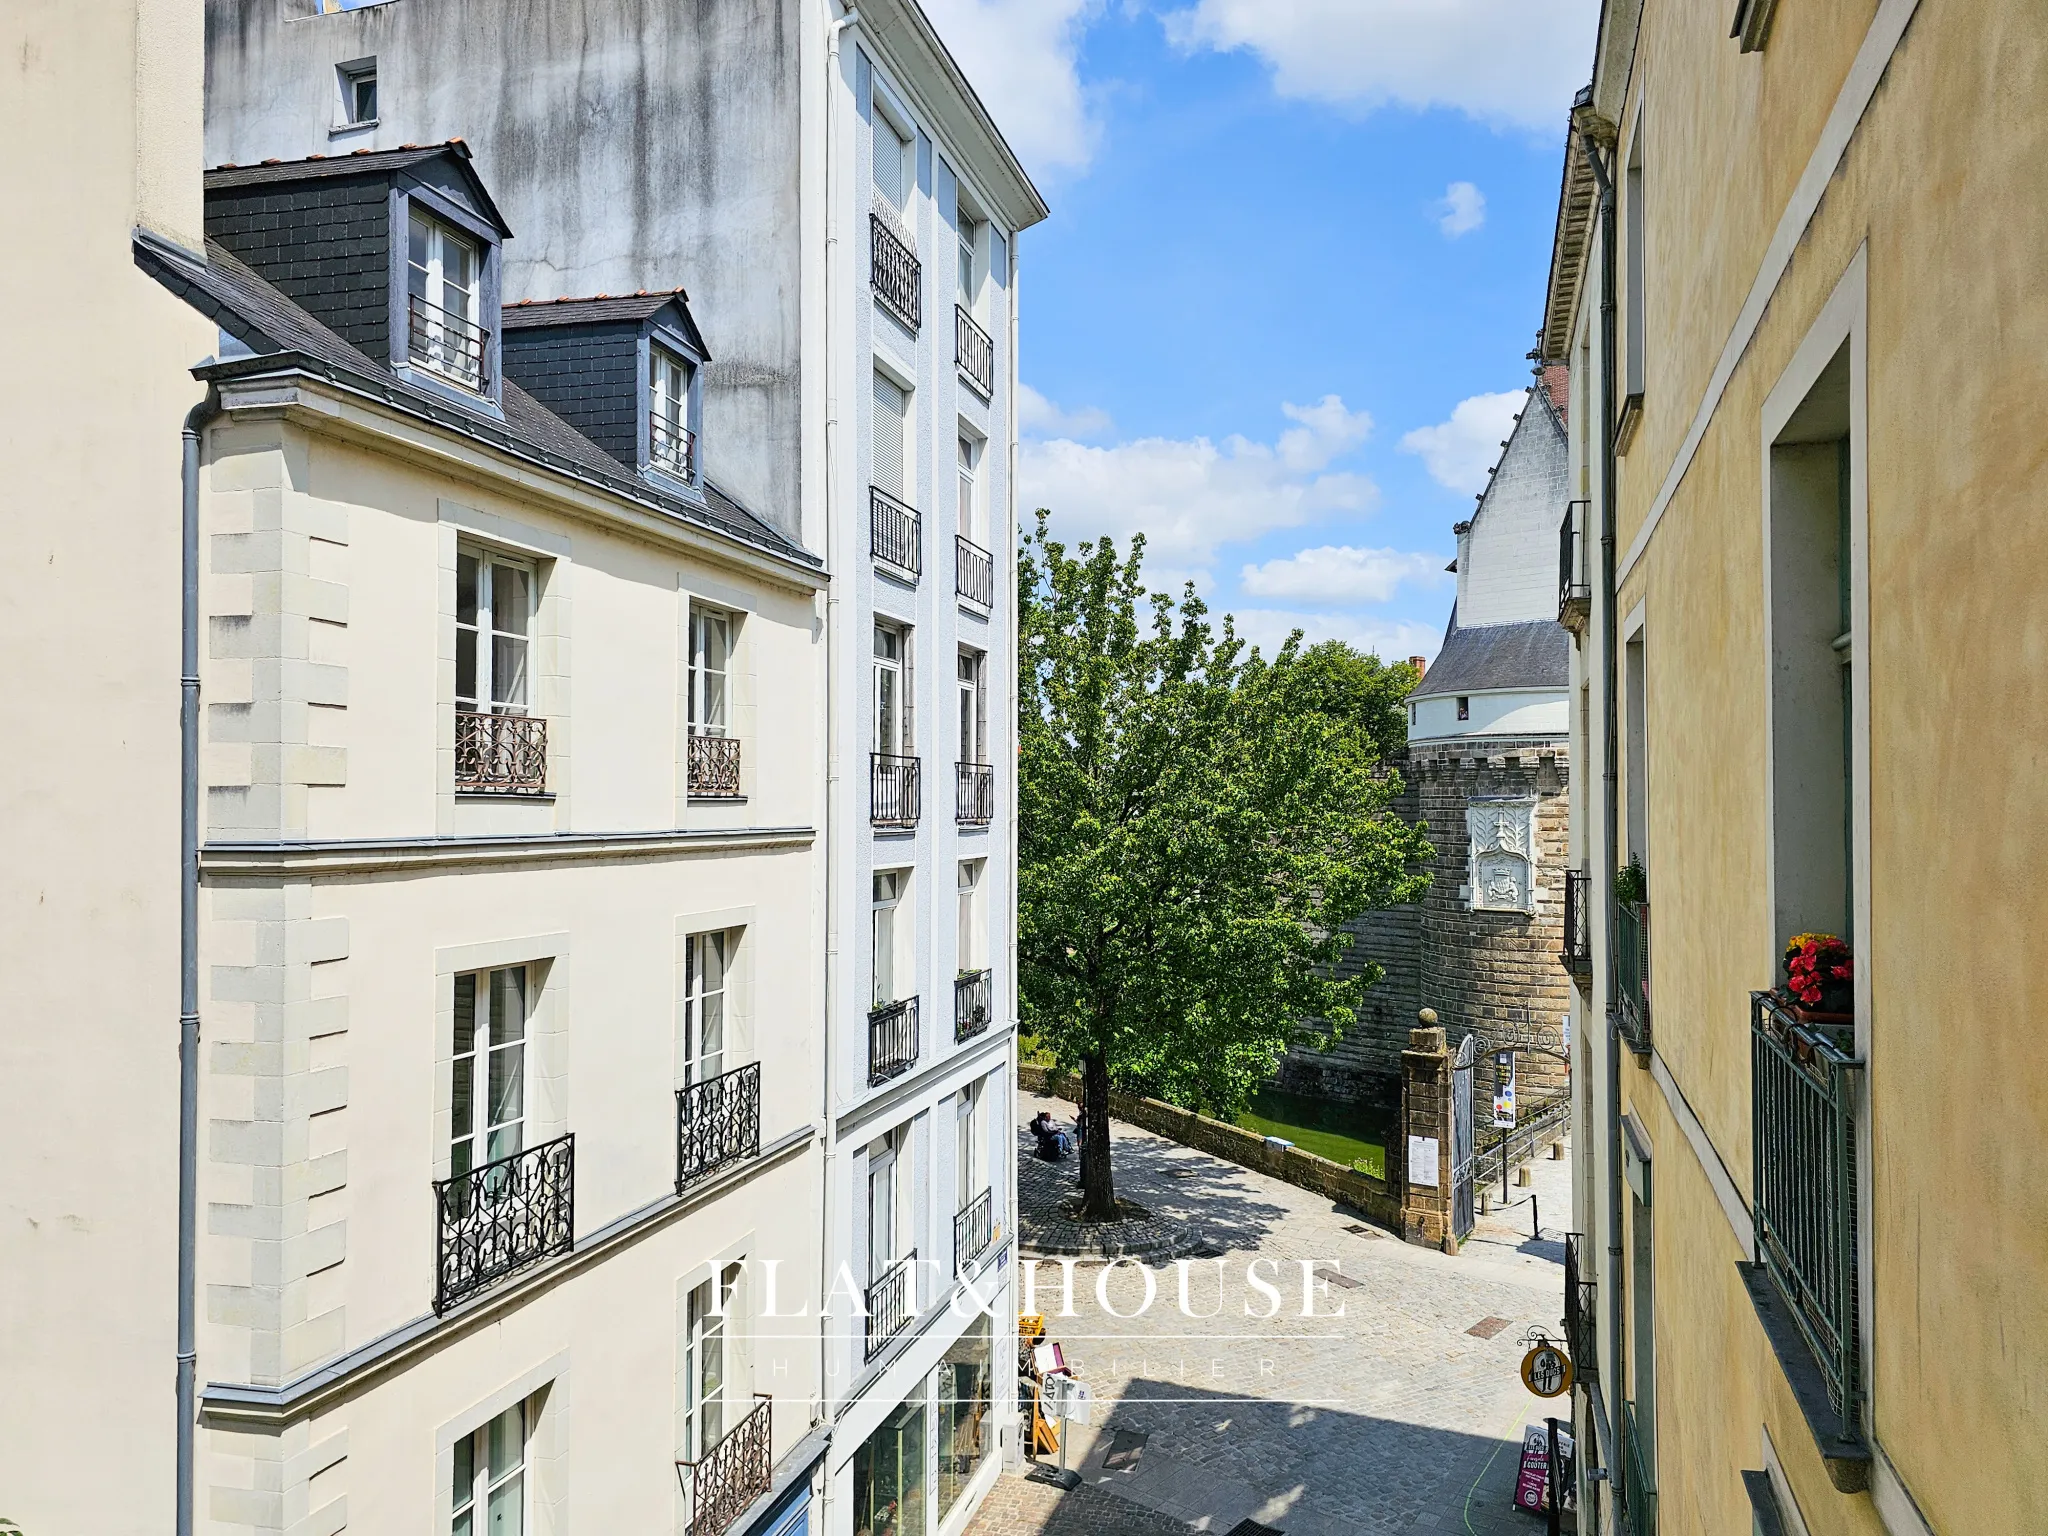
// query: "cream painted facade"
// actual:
[[1821, 639]]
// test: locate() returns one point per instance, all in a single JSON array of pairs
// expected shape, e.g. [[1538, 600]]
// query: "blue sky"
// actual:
[[1297, 253]]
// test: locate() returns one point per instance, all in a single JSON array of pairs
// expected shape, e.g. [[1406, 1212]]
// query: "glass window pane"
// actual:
[[465, 1015], [462, 1102], [464, 1489], [416, 257], [508, 1004], [508, 1508], [508, 670], [465, 666], [508, 1442], [465, 589], [508, 1092], [510, 604]]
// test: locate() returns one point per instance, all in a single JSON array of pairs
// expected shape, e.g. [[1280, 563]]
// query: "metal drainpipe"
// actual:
[[833, 31], [1610, 768], [188, 952]]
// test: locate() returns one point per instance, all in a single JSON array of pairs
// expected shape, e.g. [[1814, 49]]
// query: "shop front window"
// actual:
[[888, 1475], [966, 1377]]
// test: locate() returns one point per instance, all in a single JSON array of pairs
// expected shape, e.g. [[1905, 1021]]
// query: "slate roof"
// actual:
[[1532, 655], [602, 307], [360, 162], [274, 328]]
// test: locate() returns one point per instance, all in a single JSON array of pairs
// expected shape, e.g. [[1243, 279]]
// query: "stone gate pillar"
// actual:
[[1426, 1135]]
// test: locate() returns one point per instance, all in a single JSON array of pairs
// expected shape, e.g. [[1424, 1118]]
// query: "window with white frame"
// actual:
[[885, 1214], [494, 606], [707, 964], [892, 426], [891, 887], [444, 298], [970, 1146], [489, 1485], [968, 884], [671, 445], [358, 82], [893, 735], [968, 231], [487, 1094], [711, 641], [972, 695], [969, 503], [710, 1404], [893, 173]]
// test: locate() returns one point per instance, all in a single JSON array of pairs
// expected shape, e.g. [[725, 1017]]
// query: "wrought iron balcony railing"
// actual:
[[895, 532], [892, 1040], [892, 1302], [724, 1482], [974, 794], [497, 1219], [718, 1123], [450, 344], [894, 274], [715, 767], [1574, 589], [974, 572], [970, 1004], [1631, 961], [898, 795], [1581, 1293], [1638, 1489], [974, 1228], [672, 446], [1578, 929], [501, 754], [974, 351], [1803, 1109]]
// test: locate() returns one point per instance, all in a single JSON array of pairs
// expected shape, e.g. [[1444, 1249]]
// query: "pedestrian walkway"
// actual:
[[1402, 1415]]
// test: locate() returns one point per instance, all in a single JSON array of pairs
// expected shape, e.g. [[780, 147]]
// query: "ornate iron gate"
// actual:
[[1464, 1152]]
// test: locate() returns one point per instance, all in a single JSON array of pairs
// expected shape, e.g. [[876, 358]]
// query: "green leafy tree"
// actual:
[[1196, 824]]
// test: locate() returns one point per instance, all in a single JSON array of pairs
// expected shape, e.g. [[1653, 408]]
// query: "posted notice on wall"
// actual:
[[1422, 1159]]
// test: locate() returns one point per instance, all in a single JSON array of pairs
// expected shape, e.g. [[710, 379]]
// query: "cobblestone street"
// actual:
[[1402, 1415]]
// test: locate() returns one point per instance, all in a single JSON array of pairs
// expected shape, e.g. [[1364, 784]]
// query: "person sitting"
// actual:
[[1052, 1141]]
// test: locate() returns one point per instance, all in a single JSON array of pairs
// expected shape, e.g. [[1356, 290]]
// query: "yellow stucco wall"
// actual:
[[1942, 185]]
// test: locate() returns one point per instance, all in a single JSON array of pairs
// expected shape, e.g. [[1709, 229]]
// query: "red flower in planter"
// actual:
[[1819, 968]]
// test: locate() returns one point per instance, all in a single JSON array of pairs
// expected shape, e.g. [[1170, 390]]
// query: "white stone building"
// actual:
[[843, 215]]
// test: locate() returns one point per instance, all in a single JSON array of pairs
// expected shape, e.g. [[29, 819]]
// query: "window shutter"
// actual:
[[889, 162], [909, 739], [892, 411]]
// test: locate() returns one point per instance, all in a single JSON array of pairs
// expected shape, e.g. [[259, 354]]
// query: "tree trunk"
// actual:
[[1098, 1186]]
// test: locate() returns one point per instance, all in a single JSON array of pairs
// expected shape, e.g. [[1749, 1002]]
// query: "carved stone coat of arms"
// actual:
[[1503, 853]]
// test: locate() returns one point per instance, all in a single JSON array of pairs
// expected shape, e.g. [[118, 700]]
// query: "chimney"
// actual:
[[1421, 666]]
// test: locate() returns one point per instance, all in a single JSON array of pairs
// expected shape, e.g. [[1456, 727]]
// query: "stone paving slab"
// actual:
[[1393, 1418]]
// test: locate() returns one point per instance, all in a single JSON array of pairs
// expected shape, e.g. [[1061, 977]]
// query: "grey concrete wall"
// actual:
[[631, 144]]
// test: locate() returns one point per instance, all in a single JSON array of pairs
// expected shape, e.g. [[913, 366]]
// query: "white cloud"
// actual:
[[1192, 495], [1337, 574], [1460, 451], [1389, 639], [1020, 57], [1039, 417], [1514, 62], [1462, 210]]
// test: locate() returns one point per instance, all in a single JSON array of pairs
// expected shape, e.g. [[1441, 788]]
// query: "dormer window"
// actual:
[[443, 302], [671, 445]]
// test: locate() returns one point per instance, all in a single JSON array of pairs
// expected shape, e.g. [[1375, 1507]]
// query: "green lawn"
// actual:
[[1352, 1134]]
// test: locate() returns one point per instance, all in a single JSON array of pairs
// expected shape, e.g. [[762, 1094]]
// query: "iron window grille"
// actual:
[[718, 1123], [1803, 1109], [974, 351], [1578, 931], [974, 1229], [895, 532], [1574, 591], [1631, 960], [502, 1217], [1581, 1295], [672, 446], [974, 572], [894, 274], [501, 754], [715, 766], [970, 1004], [446, 342], [897, 792], [725, 1481], [974, 794], [892, 1040], [891, 1302]]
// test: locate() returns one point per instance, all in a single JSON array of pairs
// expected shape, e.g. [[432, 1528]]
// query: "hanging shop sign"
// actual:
[[1547, 1370]]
